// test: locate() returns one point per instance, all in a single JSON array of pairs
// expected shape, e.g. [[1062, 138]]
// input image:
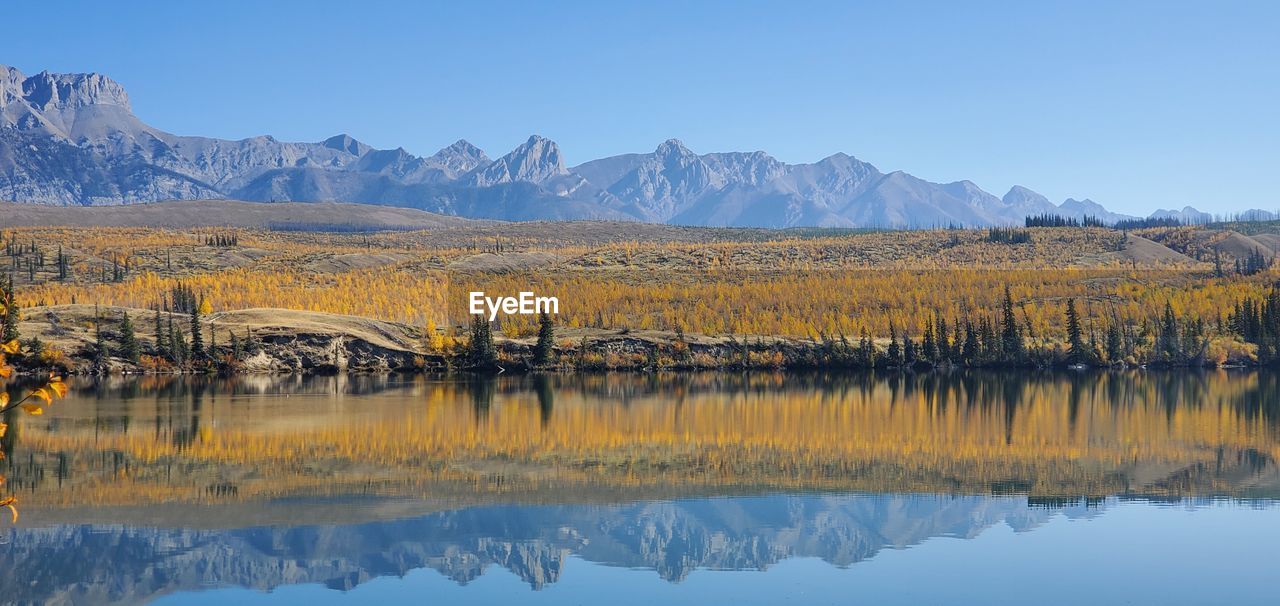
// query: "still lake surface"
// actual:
[[1110, 488]]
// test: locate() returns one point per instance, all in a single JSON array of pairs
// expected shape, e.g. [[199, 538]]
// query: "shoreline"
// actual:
[[276, 341]]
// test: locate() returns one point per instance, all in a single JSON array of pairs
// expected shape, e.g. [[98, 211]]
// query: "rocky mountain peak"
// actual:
[[346, 143], [672, 148], [46, 91], [460, 157], [10, 84], [536, 160], [1019, 193], [1025, 202]]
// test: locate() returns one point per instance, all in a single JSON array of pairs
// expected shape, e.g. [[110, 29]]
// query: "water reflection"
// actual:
[[674, 538], [133, 488], [126, 442]]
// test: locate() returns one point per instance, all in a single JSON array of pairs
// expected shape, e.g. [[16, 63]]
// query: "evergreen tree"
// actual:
[[161, 350], [1168, 344], [1011, 336], [100, 352], [543, 349], [62, 265], [1115, 343], [894, 352], [866, 350], [943, 339], [480, 350], [11, 313], [173, 347], [180, 350], [970, 352], [197, 336], [1077, 353], [990, 349], [928, 347], [128, 341]]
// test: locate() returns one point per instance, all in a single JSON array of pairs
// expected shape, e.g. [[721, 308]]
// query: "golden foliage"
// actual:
[[1062, 436], [52, 389], [762, 283]]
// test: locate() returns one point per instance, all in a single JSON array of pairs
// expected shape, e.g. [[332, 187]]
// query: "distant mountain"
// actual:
[[1080, 209], [72, 139], [1186, 215]]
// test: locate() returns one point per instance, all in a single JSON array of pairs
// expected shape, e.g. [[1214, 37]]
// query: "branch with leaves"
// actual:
[[34, 402]]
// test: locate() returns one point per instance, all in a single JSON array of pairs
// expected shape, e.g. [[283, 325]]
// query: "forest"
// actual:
[[1054, 293]]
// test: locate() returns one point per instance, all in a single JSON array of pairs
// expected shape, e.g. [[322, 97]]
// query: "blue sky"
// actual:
[[1136, 105]]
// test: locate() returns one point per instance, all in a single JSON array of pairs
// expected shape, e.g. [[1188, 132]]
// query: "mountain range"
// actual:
[[72, 139]]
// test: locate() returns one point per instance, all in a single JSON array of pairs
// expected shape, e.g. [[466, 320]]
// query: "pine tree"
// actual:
[[970, 353], [1169, 345], [197, 336], [180, 350], [542, 350], [161, 350], [908, 351], [11, 313], [1077, 353], [894, 352], [62, 265], [1115, 343], [1011, 336], [866, 350], [128, 341], [942, 340], [928, 347], [481, 351], [173, 347], [100, 352]]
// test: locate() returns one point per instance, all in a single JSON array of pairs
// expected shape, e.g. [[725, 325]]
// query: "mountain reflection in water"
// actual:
[[122, 563], [135, 488]]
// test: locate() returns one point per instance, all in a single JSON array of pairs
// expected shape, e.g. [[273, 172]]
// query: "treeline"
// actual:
[[222, 240], [1003, 341], [1254, 263], [1055, 220], [1008, 235], [994, 341], [1258, 322], [1128, 224], [1052, 220]]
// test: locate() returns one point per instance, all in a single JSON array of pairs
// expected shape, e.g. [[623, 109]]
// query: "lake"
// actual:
[[1057, 488]]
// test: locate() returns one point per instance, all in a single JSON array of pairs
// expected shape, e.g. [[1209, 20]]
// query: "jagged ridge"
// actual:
[[72, 139]]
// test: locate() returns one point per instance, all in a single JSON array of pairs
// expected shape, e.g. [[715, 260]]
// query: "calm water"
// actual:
[[686, 489]]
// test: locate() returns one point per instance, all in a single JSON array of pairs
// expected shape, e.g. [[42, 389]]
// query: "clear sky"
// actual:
[[1136, 105]]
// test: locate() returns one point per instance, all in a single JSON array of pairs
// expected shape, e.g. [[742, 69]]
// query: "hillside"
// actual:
[[631, 276], [229, 213]]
